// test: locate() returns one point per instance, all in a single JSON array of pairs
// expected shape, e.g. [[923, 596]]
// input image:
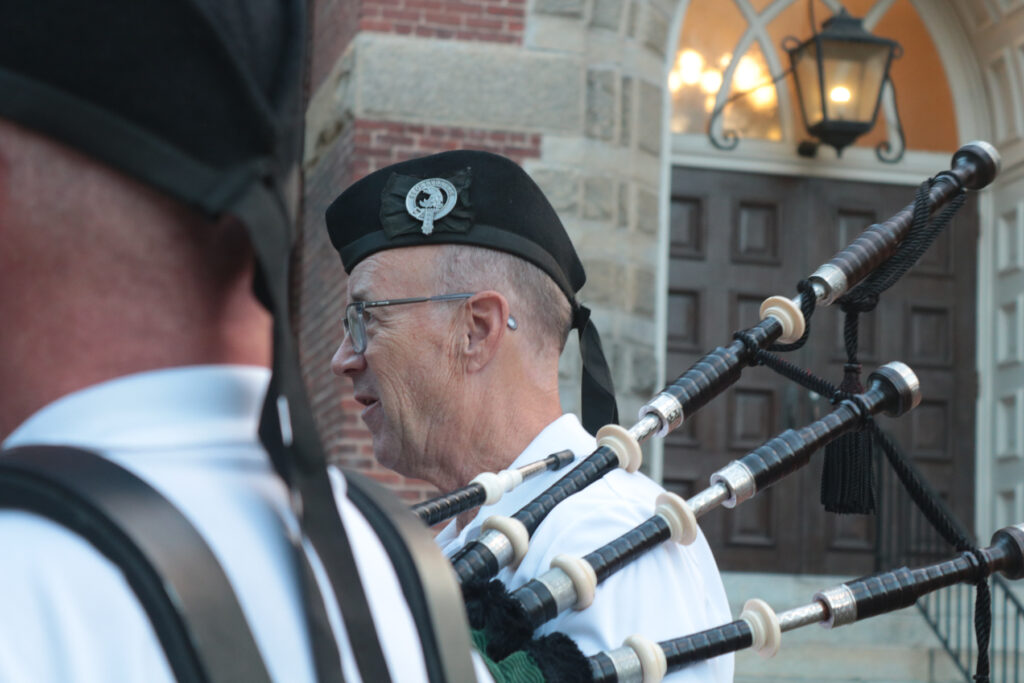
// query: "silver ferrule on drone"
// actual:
[[829, 283], [667, 409], [642, 430], [499, 545], [627, 664], [804, 615], [709, 499], [842, 606], [740, 481], [905, 382], [561, 587]]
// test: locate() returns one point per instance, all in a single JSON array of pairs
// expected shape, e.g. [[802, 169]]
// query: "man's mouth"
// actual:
[[369, 403]]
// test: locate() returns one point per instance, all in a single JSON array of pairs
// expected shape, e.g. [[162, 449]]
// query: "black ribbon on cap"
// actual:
[[598, 390]]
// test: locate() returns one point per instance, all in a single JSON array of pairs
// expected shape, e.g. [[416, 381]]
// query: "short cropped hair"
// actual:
[[539, 307]]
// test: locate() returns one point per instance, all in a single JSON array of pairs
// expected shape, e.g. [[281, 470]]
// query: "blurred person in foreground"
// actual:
[[149, 159]]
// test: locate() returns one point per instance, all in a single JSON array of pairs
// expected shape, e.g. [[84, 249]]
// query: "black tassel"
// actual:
[[848, 477], [559, 659], [491, 609]]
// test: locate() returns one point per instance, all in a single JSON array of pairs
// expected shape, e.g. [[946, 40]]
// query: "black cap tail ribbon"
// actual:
[[598, 390]]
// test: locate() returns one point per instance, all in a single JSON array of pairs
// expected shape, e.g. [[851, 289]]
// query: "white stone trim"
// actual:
[[780, 158]]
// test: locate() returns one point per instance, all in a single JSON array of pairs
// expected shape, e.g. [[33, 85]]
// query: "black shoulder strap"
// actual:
[[426, 577], [180, 585]]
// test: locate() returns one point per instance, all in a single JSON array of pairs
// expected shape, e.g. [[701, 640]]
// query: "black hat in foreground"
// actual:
[[199, 99], [478, 199]]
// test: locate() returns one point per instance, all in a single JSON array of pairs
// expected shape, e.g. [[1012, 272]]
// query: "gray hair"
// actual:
[[539, 306]]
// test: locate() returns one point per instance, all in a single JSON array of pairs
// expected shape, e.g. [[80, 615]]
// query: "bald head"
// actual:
[[102, 276]]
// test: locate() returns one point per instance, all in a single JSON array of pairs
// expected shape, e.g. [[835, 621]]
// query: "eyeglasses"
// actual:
[[355, 314]]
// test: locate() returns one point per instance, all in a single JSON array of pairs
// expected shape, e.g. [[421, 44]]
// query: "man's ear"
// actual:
[[486, 326]]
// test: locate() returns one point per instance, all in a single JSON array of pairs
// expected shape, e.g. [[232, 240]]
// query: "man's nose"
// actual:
[[346, 360]]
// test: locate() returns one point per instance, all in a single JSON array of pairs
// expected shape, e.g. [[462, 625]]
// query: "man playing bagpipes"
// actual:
[[461, 295]]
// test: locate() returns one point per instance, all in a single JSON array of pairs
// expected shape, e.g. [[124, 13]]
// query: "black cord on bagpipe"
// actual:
[[847, 484], [876, 259], [760, 627], [952, 532], [507, 620]]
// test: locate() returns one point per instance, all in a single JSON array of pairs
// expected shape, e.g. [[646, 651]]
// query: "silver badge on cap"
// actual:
[[440, 199]]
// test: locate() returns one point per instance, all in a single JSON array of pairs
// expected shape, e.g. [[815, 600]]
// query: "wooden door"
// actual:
[[738, 238]]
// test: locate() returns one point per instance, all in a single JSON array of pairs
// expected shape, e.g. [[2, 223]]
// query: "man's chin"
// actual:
[[387, 456]]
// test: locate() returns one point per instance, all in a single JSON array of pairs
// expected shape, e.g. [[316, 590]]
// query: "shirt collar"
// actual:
[[173, 407], [564, 433]]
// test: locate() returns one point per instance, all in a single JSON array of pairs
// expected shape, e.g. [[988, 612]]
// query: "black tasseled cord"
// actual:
[[847, 479], [943, 521]]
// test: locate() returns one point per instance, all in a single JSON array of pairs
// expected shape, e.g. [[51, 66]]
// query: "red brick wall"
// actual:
[[336, 23], [495, 21], [361, 147], [376, 144]]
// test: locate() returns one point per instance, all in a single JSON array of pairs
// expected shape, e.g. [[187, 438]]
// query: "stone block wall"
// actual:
[[571, 89]]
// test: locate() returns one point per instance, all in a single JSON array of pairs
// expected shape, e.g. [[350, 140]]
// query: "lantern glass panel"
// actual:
[[853, 74], [805, 71]]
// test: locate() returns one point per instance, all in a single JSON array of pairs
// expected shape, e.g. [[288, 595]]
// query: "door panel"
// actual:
[[738, 238]]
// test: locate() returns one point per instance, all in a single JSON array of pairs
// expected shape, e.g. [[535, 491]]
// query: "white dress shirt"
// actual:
[[670, 591], [68, 614]]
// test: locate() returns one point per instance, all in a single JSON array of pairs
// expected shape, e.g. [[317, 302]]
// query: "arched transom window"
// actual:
[[728, 47]]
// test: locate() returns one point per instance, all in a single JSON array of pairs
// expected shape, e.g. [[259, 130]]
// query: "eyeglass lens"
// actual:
[[356, 328]]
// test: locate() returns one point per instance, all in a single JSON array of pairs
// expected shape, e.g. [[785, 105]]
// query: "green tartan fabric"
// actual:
[[518, 667]]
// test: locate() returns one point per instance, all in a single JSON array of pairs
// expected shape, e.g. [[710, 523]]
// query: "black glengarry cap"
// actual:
[[478, 199], [200, 99]]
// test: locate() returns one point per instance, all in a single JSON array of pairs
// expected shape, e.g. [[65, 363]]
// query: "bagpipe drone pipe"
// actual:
[[486, 488], [641, 660], [508, 620], [505, 540], [876, 259], [760, 628]]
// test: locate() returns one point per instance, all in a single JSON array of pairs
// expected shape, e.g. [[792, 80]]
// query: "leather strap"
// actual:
[[427, 580], [288, 432], [180, 585]]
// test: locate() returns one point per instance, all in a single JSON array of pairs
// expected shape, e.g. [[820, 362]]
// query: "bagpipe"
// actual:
[[486, 488], [504, 622], [760, 628]]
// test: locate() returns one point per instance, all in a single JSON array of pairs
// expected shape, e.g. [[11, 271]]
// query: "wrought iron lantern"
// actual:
[[840, 74]]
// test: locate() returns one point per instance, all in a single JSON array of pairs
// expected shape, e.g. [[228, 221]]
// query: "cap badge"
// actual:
[[430, 200]]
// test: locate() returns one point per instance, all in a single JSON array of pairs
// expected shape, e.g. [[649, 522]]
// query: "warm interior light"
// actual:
[[748, 74], [690, 66], [839, 94], [675, 81], [710, 81], [763, 96]]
